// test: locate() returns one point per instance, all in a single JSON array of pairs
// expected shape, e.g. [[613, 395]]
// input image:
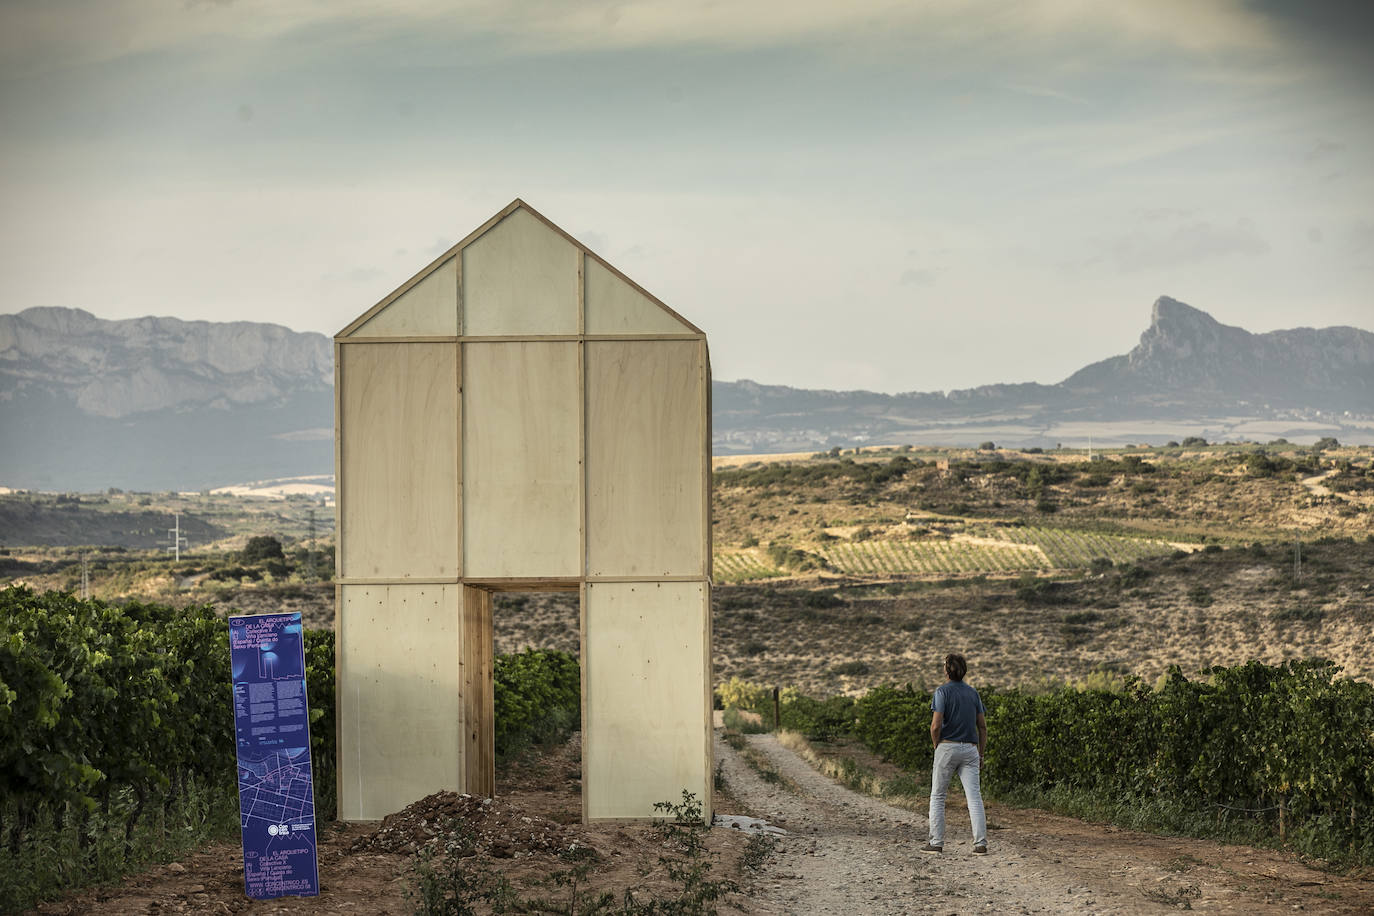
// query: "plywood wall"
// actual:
[[429, 308], [646, 467], [398, 453], [401, 711], [646, 732], [520, 278], [522, 461], [615, 307]]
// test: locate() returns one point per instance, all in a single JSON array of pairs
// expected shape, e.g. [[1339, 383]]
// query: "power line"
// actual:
[[178, 539]]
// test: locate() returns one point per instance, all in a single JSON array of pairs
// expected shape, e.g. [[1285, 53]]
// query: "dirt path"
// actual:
[[1315, 486], [848, 853]]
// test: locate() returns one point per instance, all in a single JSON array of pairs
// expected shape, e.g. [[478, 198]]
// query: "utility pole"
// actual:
[[310, 547], [177, 539]]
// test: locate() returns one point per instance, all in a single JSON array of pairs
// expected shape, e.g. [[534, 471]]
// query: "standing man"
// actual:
[[960, 734]]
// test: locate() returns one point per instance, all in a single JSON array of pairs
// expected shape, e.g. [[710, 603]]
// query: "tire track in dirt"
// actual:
[[847, 853]]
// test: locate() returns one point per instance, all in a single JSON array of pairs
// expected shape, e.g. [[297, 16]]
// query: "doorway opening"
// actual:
[[533, 696]]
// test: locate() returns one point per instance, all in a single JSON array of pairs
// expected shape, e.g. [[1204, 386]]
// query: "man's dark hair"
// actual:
[[955, 667]]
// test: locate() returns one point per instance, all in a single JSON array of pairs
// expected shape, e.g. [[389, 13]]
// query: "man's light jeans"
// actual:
[[951, 758]]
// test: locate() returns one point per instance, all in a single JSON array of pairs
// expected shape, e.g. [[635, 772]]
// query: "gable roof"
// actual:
[[615, 283]]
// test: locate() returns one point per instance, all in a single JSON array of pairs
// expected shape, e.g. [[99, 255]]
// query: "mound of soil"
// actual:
[[469, 825]]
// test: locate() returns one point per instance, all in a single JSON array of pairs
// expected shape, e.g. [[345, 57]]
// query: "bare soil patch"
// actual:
[[523, 834]]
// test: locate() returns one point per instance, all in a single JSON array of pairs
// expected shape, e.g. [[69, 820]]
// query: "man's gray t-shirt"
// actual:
[[959, 706]]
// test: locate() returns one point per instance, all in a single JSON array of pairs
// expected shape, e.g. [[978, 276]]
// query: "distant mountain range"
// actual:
[[159, 403], [1189, 375]]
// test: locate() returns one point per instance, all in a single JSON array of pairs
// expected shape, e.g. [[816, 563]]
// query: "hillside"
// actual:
[[835, 574]]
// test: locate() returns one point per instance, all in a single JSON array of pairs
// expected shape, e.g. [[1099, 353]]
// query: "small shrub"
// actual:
[[261, 547], [795, 558], [854, 668], [757, 851], [1033, 590], [822, 600], [737, 721], [1299, 613], [738, 693]]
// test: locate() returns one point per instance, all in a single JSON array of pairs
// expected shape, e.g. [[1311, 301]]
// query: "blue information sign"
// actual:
[[272, 722]]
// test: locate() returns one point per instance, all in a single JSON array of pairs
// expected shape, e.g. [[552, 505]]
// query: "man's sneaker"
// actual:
[[981, 849], [932, 848]]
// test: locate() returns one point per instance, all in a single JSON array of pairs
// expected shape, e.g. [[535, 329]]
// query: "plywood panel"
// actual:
[[479, 714], [429, 308], [646, 729], [398, 495], [401, 708], [615, 307], [522, 481], [646, 460], [520, 277]]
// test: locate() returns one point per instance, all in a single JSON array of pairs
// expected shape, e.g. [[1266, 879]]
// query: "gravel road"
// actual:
[[852, 854]]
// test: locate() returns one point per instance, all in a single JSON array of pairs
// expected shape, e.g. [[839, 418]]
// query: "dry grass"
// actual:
[[854, 776]]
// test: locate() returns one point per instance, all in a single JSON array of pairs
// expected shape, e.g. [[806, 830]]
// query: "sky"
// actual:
[[913, 196]]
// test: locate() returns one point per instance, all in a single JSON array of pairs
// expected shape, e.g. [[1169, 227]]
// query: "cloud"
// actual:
[[1187, 243], [39, 34], [1360, 237], [1045, 92], [1322, 149], [917, 277], [1156, 214]]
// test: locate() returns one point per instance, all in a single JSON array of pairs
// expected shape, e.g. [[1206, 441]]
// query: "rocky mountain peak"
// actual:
[[1186, 356], [1167, 310], [1180, 334]]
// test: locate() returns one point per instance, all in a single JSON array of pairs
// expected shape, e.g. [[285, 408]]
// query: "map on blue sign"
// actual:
[[272, 725]]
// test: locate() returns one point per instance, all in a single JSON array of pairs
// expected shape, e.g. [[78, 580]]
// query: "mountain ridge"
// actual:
[[118, 368], [145, 403]]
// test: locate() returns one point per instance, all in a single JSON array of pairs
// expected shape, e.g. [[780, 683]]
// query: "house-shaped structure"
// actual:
[[520, 416]]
